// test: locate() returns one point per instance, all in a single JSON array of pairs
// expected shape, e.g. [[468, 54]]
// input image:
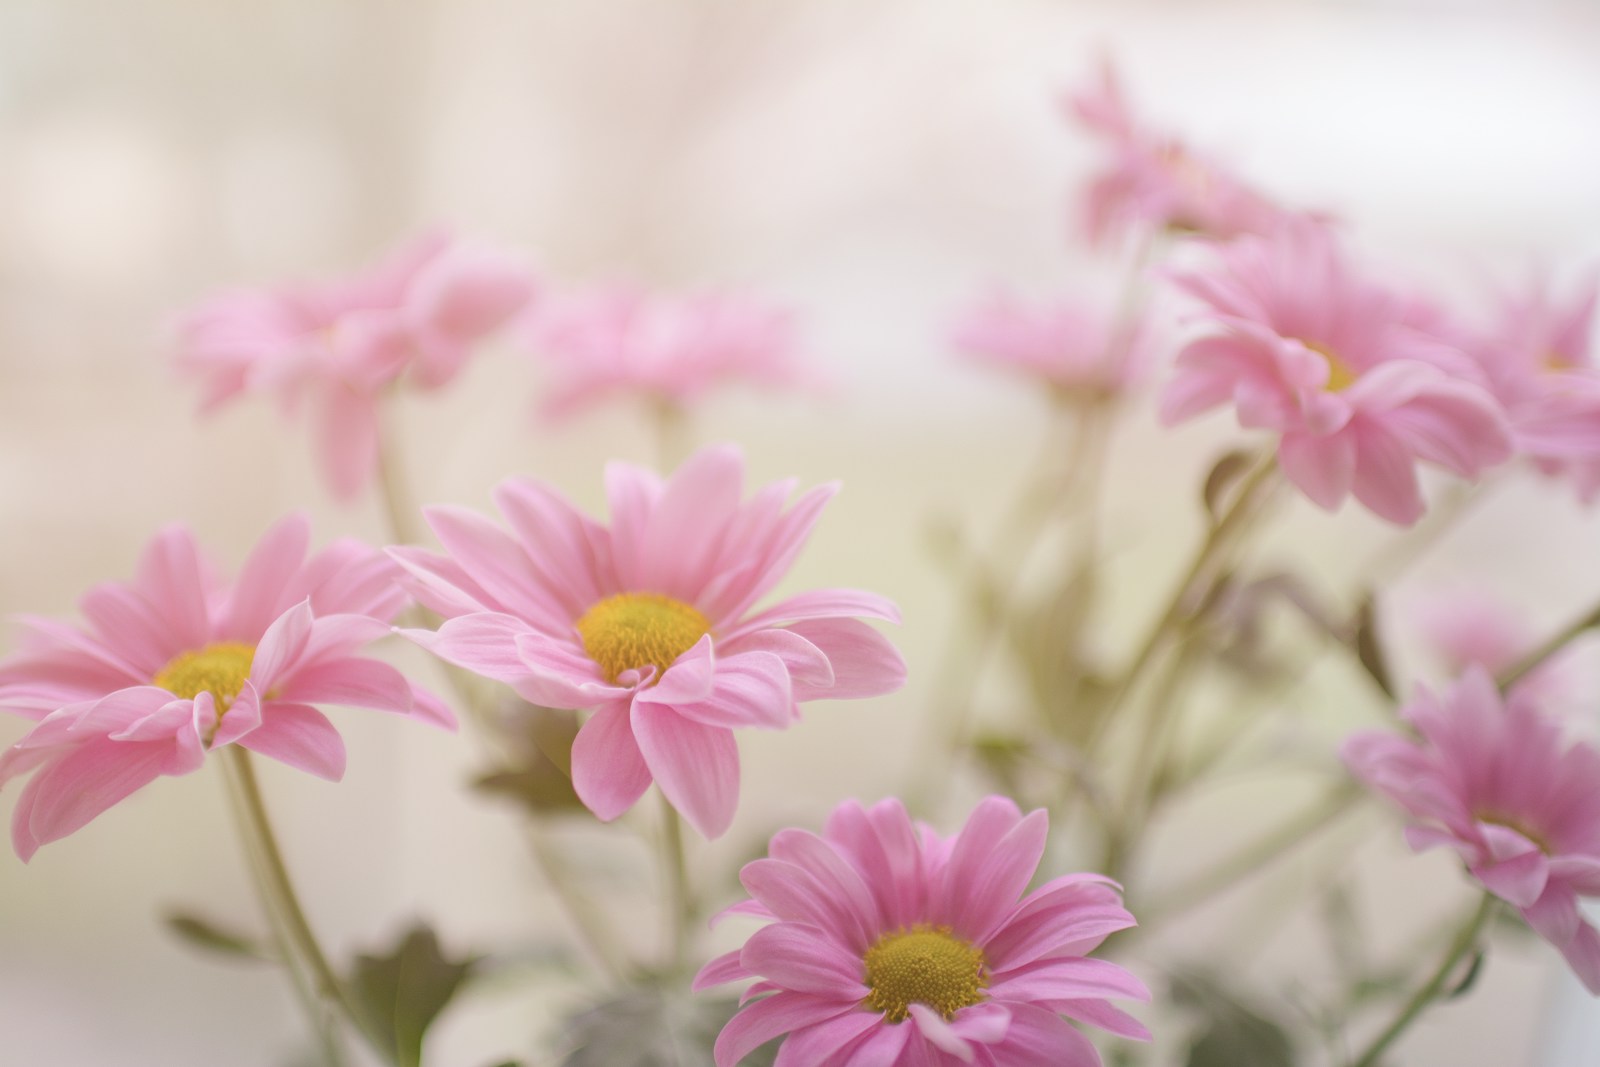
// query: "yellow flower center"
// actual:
[[1340, 376], [632, 630], [923, 965], [220, 669]]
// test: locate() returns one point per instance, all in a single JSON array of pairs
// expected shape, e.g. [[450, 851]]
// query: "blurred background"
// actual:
[[874, 163]]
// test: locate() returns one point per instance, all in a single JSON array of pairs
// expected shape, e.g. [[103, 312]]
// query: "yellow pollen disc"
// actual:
[[220, 669], [923, 965], [1340, 376], [630, 631]]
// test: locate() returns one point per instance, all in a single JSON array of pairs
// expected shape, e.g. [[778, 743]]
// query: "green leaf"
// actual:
[[652, 1027], [400, 993], [1233, 1033], [1369, 648], [540, 776], [1225, 473], [205, 934]]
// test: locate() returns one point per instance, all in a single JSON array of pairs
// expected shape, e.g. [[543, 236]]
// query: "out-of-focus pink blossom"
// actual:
[[1303, 345], [1469, 627], [621, 341], [337, 346], [173, 665], [1066, 345], [1493, 781], [1152, 181], [650, 623], [890, 945]]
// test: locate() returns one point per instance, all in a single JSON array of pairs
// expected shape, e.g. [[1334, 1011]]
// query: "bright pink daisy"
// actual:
[[1493, 780], [1156, 182], [619, 341], [894, 947], [650, 624], [339, 345], [173, 664], [1066, 345], [1339, 367]]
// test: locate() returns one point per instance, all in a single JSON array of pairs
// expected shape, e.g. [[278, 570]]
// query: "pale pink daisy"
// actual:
[[338, 346], [1337, 366], [894, 947], [651, 623], [1156, 182], [1470, 626], [1493, 780], [174, 664], [1066, 345], [669, 350]]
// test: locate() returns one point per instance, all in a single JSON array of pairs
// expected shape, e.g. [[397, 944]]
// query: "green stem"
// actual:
[[1430, 990], [1537, 658], [593, 931], [680, 900]]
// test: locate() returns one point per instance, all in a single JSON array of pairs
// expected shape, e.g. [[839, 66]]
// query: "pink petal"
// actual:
[[276, 559], [497, 564], [994, 858], [693, 676], [608, 770], [752, 689], [803, 958], [632, 493], [484, 643], [300, 736], [1386, 477], [570, 550], [1322, 468], [881, 1047], [1097, 1012], [701, 496], [170, 575], [760, 1022], [281, 646], [805, 662], [1073, 978], [721, 970], [939, 1033], [356, 683], [67, 794], [882, 844], [864, 663], [819, 604], [984, 1023], [696, 766], [347, 438], [812, 1045], [1582, 953], [1040, 1038]]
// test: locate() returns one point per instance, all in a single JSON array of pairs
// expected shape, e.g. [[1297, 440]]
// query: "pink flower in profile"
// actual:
[[1492, 780], [1066, 345], [1155, 182], [650, 623], [1471, 627], [894, 947], [619, 341], [173, 665], [1337, 366], [338, 346], [1539, 359]]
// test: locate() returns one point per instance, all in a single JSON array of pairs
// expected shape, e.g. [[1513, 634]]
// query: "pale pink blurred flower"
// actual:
[[174, 664], [892, 946], [338, 346], [1153, 181], [1539, 359], [1470, 626], [1339, 367], [1493, 780], [649, 623], [1066, 345], [670, 350]]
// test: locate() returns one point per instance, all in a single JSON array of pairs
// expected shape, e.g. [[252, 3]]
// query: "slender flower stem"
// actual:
[[590, 924], [275, 884], [1430, 990], [1537, 658], [679, 897], [399, 511]]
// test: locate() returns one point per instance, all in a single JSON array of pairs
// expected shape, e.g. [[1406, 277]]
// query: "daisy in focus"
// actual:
[[1070, 347], [669, 350], [650, 623], [1340, 368], [173, 665], [1492, 779], [338, 346], [892, 946]]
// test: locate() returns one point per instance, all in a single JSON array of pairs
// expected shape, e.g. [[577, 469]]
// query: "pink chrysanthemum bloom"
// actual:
[[1471, 627], [1338, 367], [338, 346], [1539, 360], [1493, 780], [173, 665], [619, 341], [1065, 345], [650, 624], [894, 947], [1156, 182]]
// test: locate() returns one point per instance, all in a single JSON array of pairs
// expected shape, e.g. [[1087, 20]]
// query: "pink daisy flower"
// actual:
[[895, 947], [649, 623], [1065, 345], [619, 341], [173, 665], [339, 345], [1155, 182], [1493, 780], [1338, 367], [1470, 626]]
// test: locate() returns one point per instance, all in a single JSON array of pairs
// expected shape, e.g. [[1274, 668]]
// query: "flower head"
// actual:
[[173, 665], [337, 346], [1470, 626], [1152, 181], [671, 350], [651, 623], [1493, 780], [893, 946], [1065, 345], [1338, 367]]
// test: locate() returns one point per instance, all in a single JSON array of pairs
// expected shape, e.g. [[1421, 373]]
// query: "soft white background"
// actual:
[[875, 163]]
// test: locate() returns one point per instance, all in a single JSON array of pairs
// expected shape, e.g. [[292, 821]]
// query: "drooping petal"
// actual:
[[608, 770], [761, 1021], [804, 958], [299, 735], [696, 766]]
